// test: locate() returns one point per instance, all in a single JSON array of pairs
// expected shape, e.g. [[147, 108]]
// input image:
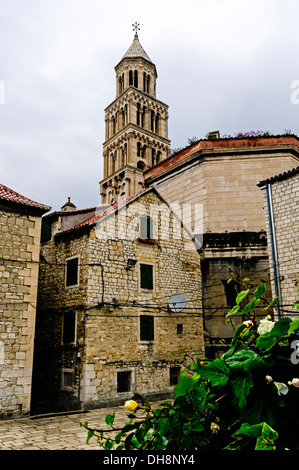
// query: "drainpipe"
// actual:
[[273, 245]]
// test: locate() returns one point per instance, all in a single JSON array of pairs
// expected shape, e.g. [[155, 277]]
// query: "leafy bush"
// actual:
[[245, 400]]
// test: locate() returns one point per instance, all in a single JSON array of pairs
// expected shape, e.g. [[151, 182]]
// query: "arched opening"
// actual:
[[131, 78], [135, 79], [141, 165], [157, 123]]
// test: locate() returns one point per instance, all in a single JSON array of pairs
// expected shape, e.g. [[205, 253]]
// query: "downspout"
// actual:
[[273, 246]]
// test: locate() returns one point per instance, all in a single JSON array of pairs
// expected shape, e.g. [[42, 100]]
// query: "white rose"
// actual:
[[265, 326]]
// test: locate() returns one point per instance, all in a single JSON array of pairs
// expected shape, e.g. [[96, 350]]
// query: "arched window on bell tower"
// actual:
[[135, 78]]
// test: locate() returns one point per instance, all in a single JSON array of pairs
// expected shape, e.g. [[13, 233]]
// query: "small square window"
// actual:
[[179, 328], [146, 328], [67, 379], [146, 276], [124, 381], [174, 375], [72, 266]]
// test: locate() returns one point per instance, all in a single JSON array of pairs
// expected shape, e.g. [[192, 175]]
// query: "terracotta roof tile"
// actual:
[[103, 213], [10, 195]]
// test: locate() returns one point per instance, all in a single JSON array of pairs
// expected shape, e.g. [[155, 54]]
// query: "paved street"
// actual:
[[60, 432]]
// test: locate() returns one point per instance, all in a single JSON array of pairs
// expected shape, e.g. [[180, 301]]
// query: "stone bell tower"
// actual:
[[136, 135]]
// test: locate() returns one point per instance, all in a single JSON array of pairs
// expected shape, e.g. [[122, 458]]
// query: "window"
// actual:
[[67, 379], [72, 265], [124, 381], [146, 328], [146, 276], [146, 227], [231, 291], [174, 375], [179, 328], [69, 328], [46, 231]]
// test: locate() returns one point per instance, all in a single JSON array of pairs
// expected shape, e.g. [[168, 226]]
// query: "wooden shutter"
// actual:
[[146, 227], [146, 276], [146, 328]]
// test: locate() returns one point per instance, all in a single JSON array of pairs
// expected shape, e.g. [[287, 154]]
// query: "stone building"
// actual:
[[136, 134], [281, 204], [119, 306], [213, 182], [20, 228]]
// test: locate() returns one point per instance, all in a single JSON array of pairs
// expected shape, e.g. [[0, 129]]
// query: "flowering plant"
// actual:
[[245, 400]]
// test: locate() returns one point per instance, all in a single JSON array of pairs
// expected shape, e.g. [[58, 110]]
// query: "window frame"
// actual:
[[147, 232], [130, 371], [149, 289], [171, 376], [142, 328], [67, 343], [64, 387]]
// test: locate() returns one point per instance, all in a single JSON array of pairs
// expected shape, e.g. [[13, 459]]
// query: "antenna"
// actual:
[[177, 303]]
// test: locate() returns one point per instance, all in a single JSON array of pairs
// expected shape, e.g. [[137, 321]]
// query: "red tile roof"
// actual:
[[10, 195], [103, 213]]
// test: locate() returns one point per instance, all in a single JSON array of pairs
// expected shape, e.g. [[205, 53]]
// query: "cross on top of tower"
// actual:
[[136, 27]]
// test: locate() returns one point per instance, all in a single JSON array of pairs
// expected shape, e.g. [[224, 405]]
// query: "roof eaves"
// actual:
[[280, 177]]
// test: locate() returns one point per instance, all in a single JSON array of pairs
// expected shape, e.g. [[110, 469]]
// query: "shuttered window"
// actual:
[[146, 228], [146, 276], [146, 328]]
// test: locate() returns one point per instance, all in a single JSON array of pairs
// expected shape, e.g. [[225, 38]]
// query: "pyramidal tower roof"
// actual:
[[136, 51]]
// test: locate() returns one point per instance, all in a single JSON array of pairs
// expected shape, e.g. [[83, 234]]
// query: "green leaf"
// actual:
[[110, 419], [163, 426], [229, 280], [272, 304], [261, 289], [89, 435], [294, 326], [264, 444], [186, 384], [281, 327], [241, 386], [250, 306], [246, 429], [246, 279], [216, 372], [241, 296], [265, 342], [233, 310]]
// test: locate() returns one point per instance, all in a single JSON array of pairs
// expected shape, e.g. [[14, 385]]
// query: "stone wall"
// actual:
[[285, 197], [225, 187], [109, 302], [19, 248]]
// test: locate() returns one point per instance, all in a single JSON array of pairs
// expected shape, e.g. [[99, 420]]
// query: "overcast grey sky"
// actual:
[[226, 65]]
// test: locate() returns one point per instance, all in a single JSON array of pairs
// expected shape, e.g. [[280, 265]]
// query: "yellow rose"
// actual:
[[131, 406]]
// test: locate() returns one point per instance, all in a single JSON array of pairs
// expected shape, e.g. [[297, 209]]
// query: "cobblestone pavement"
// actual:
[[60, 432]]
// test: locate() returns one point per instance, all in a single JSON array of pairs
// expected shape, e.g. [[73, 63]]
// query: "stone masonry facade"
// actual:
[[20, 227], [126, 338], [285, 206]]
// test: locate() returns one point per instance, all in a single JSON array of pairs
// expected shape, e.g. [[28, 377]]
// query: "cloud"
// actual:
[[222, 65]]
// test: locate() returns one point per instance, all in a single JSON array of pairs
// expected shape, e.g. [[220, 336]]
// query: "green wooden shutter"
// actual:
[[146, 328], [146, 276]]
